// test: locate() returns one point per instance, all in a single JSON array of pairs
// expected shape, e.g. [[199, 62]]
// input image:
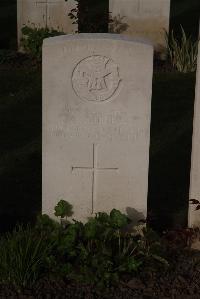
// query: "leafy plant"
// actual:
[[183, 53], [150, 249], [63, 209], [22, 257], [100, 251], [33, 38], [117, 24]]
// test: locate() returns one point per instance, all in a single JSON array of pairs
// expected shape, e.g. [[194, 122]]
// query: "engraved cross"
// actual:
[[94, 169]]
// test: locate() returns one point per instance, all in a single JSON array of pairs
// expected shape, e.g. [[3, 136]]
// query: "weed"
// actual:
[[33, 38], [22, 257], [183, 54]]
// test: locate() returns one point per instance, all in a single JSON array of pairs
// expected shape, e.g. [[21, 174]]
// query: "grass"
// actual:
[[20, 159]]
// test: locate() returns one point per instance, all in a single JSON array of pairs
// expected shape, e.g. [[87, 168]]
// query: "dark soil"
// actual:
[[181, 281]]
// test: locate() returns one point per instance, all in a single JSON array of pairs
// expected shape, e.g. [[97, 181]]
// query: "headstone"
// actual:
[[45, 13], [194, 216], [145, 18], [96, 123]]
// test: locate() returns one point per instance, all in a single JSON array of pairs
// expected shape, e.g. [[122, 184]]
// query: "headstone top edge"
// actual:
[[96, 36]]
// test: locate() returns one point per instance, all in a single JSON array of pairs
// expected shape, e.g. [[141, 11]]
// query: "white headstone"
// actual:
[[45, 13], [145, 18], [194, 216], [96, 123]]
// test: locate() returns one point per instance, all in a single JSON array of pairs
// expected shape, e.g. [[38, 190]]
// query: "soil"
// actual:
[[181, 281]]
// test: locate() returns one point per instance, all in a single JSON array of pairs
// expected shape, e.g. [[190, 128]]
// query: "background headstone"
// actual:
[[96, 123], [145, 18], [45, 13], [194, 216]]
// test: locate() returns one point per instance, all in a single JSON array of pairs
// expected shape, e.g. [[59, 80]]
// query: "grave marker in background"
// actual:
[[45, 13], [96, 123], [194, 216], [145, 18]]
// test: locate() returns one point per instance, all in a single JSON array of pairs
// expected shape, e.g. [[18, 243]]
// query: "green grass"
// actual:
[[20, 159]]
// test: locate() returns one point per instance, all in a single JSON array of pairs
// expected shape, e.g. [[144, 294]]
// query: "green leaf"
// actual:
[[103, 217], [63, 209], [90, 229], [118, 220]]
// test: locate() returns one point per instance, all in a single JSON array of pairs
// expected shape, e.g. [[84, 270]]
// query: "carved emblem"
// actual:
[[95, 78]]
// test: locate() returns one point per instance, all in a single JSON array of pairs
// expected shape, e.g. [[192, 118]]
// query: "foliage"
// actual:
[[73, 14], [63, 209], [179, 239], [22, 257], [99, 252], [117, 24], [33, 38], [6, 56], [183, 53]]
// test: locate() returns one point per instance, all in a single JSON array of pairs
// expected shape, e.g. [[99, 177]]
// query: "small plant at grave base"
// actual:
[[183, 54], [22, 257], [100, 252], [33, 38]]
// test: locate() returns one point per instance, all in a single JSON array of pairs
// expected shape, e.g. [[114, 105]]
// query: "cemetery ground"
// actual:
[[170, 151]]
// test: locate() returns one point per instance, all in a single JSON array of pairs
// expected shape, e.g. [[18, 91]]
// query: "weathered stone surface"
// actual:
[[194, 216], [96, 123], [42, 13], [145, 18]]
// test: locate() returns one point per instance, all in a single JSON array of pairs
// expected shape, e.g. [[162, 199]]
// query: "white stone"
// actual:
[[45, 13], [194, 216], [145, 18], [96, 123]]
